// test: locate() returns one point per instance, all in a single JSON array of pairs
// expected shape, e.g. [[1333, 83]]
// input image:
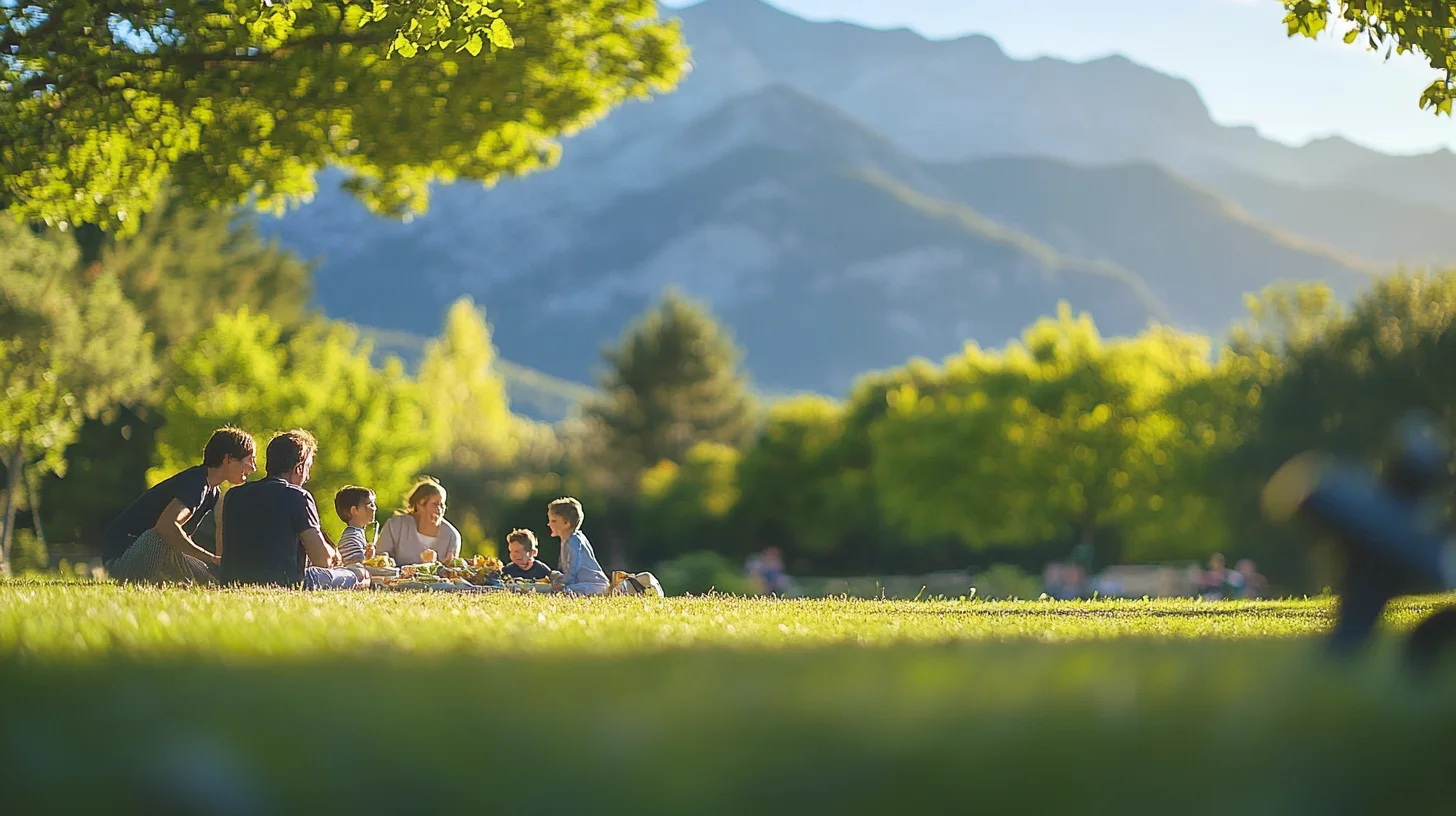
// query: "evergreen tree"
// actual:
[[672, 382]]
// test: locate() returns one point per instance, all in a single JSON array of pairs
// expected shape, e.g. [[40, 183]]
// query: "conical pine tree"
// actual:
[[674, 380]]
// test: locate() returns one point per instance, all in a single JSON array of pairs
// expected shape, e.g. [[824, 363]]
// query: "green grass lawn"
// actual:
[[205, 701]]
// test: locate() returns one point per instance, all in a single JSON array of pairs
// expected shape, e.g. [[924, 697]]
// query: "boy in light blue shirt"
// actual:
[[580, 574]]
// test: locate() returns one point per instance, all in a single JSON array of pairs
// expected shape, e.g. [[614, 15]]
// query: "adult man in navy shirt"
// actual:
[[151, 540], [269, 530]]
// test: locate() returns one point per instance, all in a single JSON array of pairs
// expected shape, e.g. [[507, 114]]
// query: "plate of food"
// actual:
[[526, 584], [381, 566]]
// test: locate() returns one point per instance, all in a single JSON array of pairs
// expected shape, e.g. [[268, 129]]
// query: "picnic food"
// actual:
[[477, 571], [381, 561]]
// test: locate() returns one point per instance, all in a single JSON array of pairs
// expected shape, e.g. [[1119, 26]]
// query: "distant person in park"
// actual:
[[420, 526], [1218, 583], [521, 544], [753, 569], [579, 572], [766, 574], [1252, 584], [152, 539], [775, 577], [356, 508], [268, 531]]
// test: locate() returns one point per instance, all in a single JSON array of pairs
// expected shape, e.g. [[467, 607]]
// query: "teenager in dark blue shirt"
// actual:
[[151, 540]]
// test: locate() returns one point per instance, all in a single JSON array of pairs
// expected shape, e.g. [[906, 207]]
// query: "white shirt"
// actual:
[[400, 537]]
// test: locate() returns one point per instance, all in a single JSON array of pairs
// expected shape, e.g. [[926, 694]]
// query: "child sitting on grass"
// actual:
[[522, 547], [356, 508], [580, 573]]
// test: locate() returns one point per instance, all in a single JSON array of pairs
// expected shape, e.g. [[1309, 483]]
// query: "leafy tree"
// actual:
[[187, 265], [492, 461], [1425, 27], [673, 381], [1285, 320], [102, 102], [244, 371], [1344, 393], [70, 347], [689, 506], [106, 467], [1061, 432], [797, 492], [463, 396]]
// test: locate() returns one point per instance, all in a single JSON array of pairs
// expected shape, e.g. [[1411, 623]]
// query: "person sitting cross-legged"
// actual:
[[269, 530], [151, 540]]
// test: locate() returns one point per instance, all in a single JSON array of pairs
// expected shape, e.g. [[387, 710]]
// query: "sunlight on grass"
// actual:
[[55, 620], [241, 701]]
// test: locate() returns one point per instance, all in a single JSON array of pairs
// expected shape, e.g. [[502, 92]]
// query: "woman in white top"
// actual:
[[422, 526]]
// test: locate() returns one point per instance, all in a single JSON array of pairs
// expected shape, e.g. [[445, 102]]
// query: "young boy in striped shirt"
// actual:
[[356, 508]]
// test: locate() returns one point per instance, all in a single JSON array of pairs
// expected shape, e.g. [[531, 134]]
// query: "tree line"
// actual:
[[118, 362]]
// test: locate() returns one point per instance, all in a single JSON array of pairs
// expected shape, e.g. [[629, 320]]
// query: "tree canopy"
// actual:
[[69, 348], [1425, 27], [463, 396], [1061, 432], [186, 265], [103, 102]]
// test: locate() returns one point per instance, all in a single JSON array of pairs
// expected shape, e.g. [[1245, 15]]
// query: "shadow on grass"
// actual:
[[1127, 726]]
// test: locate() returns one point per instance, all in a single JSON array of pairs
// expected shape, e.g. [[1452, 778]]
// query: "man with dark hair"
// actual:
[[151, 540], [268, 531]]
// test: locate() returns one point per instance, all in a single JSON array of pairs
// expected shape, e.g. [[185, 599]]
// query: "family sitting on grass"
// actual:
[[268, 531]]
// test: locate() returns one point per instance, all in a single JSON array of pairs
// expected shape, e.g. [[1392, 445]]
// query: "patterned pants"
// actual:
[[149, 559]]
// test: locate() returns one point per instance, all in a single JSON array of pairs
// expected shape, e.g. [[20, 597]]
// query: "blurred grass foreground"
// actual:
[[168, 700]]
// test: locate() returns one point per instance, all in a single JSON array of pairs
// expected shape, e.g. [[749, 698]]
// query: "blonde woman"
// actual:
[[420, 526]]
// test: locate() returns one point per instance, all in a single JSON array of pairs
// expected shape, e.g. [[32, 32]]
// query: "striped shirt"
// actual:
[[351, 546]]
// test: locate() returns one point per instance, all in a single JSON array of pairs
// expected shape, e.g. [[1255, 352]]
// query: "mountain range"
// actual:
[[846, 198]]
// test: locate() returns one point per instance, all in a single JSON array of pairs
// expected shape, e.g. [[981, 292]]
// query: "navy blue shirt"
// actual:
[[261, 527], [537, 570], [189, 487]]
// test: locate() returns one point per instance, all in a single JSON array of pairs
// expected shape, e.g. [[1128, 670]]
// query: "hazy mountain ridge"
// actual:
[[846, 198]]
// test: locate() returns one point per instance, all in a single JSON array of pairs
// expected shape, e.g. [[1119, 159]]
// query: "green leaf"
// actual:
[[404, 46], [500, 34], [474, 44]]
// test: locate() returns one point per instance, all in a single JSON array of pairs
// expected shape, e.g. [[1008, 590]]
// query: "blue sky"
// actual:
[[1234, 51]]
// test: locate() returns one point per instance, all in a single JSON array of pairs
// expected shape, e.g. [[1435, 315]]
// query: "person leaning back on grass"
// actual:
[[356, 508], [151, 540], [268, 531], [580, 574]]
